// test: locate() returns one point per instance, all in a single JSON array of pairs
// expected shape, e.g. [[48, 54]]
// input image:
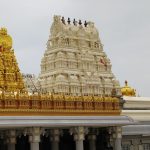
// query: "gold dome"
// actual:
[[127, 90], [5, 40]]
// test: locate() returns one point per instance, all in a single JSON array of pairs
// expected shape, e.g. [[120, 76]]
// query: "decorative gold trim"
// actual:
[[58, 105]]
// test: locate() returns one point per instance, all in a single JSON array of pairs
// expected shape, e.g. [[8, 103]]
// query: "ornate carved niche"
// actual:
[[64, 64], [89, 44], [108, 91], [100, 90], [67, 89], [109, 67], [96, 45], [73, 43], [72, 88], [62, 41], [85, 89], [49, 44], [92, 45], [83, 43], [57, 64], [51, 65], [69, 64], [67, 41], [53, 42], [74, 65]]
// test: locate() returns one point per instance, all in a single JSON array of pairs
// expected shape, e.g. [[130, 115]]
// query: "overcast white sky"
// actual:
[[124, 27]]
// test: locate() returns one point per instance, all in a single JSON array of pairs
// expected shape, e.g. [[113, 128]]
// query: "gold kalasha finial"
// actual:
[[127, 90], [5, 40], [3, 31]]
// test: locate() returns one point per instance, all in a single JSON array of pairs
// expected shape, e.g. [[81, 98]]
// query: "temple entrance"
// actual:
[[86, 143], [45, 142], [2, 144], [22, 142], [103, 140], [67, 141]]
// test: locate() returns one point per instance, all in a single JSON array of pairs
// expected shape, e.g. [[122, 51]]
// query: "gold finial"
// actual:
[[126, 83], [127, 90], [5, 40], [3, 31]]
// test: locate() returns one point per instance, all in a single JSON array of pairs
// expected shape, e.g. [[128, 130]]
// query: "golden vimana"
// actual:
[[10, 76]]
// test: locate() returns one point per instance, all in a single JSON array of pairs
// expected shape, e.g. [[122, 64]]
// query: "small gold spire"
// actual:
[[127, 90], [5, 40]]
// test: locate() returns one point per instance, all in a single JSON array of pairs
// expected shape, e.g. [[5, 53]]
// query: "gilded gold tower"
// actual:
[[10, 76]]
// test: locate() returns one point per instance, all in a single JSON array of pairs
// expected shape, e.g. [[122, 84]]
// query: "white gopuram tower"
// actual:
[[75, 63]]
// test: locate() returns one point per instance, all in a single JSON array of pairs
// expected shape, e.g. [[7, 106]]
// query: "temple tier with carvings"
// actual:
[[75, 63]]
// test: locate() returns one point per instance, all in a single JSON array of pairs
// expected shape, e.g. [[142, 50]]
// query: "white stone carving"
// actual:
[[75, 62]]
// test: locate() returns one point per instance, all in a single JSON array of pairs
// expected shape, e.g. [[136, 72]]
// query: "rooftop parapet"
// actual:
[[57, 104]]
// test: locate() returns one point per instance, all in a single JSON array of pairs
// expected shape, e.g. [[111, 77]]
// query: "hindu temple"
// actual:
[[76, 103]]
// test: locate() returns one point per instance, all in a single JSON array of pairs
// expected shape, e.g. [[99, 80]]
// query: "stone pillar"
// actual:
[[131, 147], [112, 142], [79, 145], [118, 136], [79, 133], [54, 137], [111, 139], [92, 142], [141, 147], [34, 138], [11, 139], [135, 143], [135, 147]]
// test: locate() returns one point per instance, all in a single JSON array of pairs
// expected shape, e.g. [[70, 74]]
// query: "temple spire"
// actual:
[[74, 62], [10, 76]]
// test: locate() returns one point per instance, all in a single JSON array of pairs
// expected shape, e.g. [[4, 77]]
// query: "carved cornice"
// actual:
[[56, 104]]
